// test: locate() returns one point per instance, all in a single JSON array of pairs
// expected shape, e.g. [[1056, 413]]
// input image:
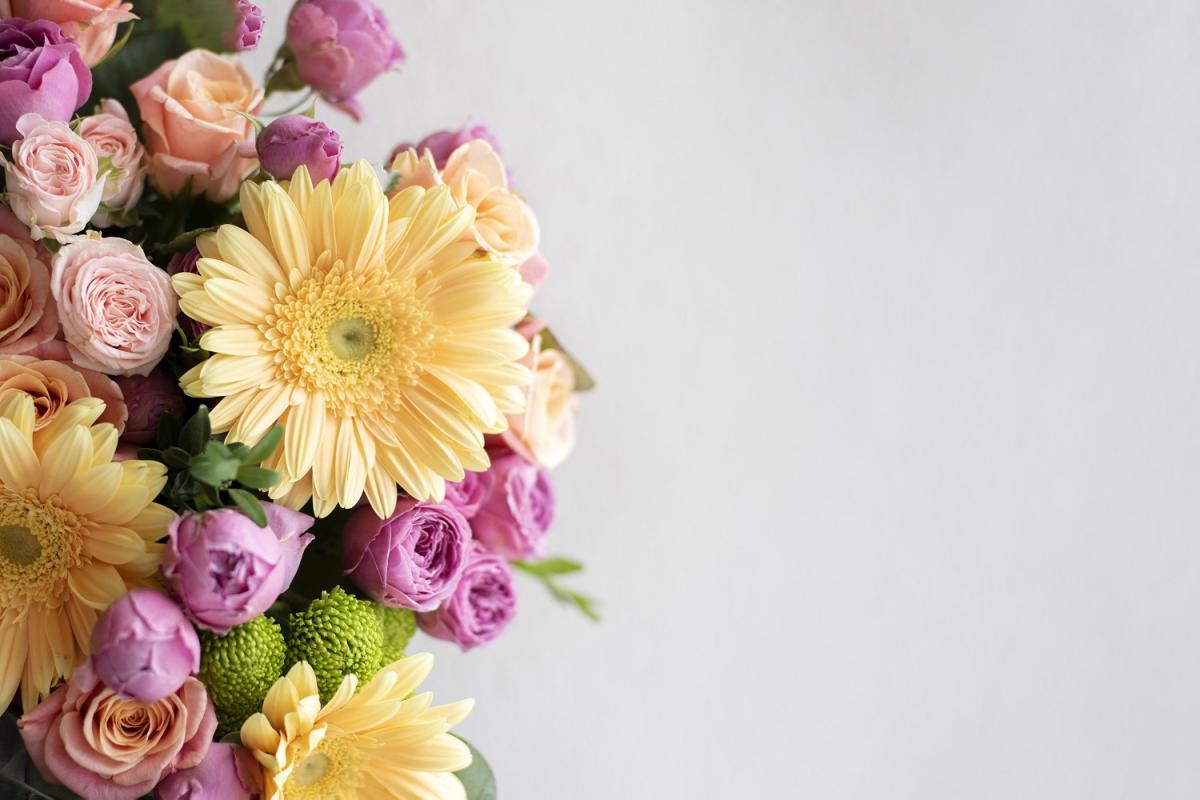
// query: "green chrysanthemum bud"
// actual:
[[337, 635], [399, 625], [239, 668]]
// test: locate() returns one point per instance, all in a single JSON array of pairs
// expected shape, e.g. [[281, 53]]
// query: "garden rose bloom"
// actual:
[[55, 382], [92, 24], [469, 493], [148, 398], [101, 746], [247, 27], [228, 772], [413, 559], [296, 140], [52, 179], [192, 127], [545, 433], [27, 313], [117, 309], [114, 138], [513, 521], [143, 647], [226, 570], [481, 607], [41, 71], [341, 46]]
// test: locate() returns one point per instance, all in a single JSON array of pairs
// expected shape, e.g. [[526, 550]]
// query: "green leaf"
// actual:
[[202, 22], [176, 458], [548, 570], [167, 433], [146, 49], [182, 242], [478, 779], [583, 380], [554, 565], [213, 471], [196, 432], [266, 446], [250, 505], [258, 477], [285, 79], [118, 45]]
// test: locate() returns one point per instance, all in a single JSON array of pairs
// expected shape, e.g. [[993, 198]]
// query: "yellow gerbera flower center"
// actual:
[[40, 542], [329, 771]]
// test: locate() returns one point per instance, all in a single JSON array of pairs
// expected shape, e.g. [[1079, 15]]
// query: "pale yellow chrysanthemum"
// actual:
[[380, 341], [77, 531], [377, 744]]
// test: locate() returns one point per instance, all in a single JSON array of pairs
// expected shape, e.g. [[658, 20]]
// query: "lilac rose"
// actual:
[[247, 26], [143, 647], [468, 494], [413, 559], [481, 607], [226, 570], [41, 72], [228, 772], [516, 515], [296, 140], [442, 143]]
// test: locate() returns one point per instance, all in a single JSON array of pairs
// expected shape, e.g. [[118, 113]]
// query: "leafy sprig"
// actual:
[[548, 571]]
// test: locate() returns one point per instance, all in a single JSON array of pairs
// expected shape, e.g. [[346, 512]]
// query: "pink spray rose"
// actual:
[[228, 772], [143, 648], [226, 570], [513, 521], [413, 559], [27, 313], [340, 46], [148, 398], [47, 375], [481, 607], [192, 125], [110, 133], [296, 140], [117, 309], [52, 179], [92, 24], [102, 746], [247, 26], [41, 71]]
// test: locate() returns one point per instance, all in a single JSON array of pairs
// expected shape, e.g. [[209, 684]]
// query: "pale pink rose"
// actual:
[[117, 309], [91, 23], [534, 271], [52, 180], [545, 433], [114, 138], [47, 375], [504, 223], [27, 313], [102, 746], [192, 121]]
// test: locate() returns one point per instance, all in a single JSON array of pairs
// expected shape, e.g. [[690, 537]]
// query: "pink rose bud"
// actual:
[[148, 398], [226, 570], [481, 607], [340, 46], [247, 27], [228, 772], [413, 559], [514, 519], [143, 648], [42, 71], [296, 140]]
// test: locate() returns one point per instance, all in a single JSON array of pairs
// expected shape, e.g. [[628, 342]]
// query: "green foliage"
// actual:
[[337, 634], [240, 668], [201, 23], [477, 779], [399, 625], [548, 571], [583, 380], [146, 47]]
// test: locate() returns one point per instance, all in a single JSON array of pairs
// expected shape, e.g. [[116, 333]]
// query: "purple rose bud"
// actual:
[[186, 262], [226, 570], [340, 46], [41, 71], [481, 607], [413, 559], [442, 143], [296, 140], [468, 494], [516, 515], [228, 772], [247, 26], [148, 397], [143, 647]]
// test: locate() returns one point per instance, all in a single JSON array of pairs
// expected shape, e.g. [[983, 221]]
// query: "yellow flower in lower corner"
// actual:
[[77, 531], [379, 743]]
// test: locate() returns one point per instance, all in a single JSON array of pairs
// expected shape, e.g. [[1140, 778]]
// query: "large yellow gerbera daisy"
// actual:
[[77, 531], [379, 743], [378, 339]]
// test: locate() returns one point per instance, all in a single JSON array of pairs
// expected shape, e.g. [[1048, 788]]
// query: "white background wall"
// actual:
[[891, 483]]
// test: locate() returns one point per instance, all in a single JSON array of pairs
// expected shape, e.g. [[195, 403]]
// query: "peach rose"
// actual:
[[193, 125], [504, 223], [51, 180], [545, 433], [91, 23], [114, 138], [52, 381], [101, 746], [117, 309], [27, 314]]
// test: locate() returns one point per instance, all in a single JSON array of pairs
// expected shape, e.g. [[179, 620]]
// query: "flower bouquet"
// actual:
[[266, 415]]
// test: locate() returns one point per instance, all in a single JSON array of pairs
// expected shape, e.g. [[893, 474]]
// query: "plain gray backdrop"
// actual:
[[890, 483]]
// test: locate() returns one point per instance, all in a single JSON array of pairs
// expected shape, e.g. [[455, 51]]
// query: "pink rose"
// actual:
[[545, 432], [27, 313], [53, 382], [117, 309], [193, 125], [110, 133], [101, 746], [52, 180], [535, 271], [91, 23]]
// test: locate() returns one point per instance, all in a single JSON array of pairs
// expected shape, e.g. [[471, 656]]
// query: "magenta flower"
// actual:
[[481, 607], [413, 559], [228, 772], [442, 143], [226, 570], [148, 398], [468, 494], [143, 648], [296, 140], [41, 71], [247, 27], [513, 521]]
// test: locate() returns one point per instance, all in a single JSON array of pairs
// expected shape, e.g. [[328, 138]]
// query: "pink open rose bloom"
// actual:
[[114, 138], [47, 376], [102, 746], [27, 313], [92, 24], [192, 121]]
